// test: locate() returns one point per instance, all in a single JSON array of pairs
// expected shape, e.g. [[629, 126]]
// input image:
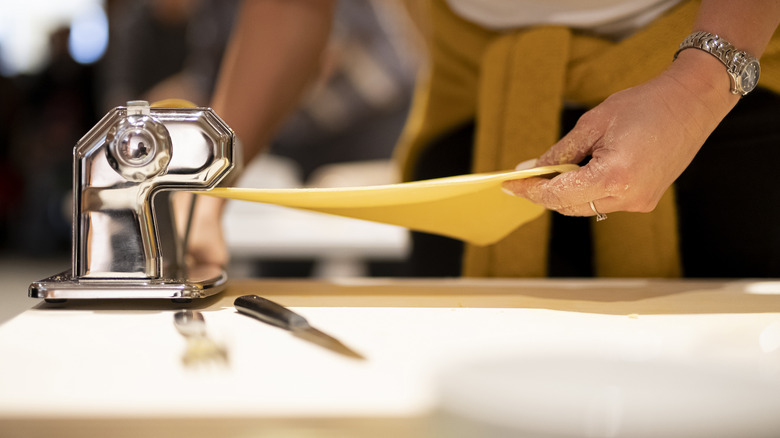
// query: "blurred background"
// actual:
[[65, 63]]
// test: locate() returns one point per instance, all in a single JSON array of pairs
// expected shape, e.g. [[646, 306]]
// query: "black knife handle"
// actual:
[[270, 312]]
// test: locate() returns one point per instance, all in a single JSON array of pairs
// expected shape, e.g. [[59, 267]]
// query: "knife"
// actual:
[[275, 314]]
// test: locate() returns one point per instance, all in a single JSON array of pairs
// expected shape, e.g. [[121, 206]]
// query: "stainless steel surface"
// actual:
[[201, 348], [277, 315], [189, 323], [200, 282], [327, 341], [125, 240]]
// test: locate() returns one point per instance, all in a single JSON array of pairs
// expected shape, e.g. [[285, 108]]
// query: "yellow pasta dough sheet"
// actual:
[[472, 208]]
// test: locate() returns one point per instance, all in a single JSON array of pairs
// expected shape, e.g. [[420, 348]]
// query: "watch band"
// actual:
[[743, 68]]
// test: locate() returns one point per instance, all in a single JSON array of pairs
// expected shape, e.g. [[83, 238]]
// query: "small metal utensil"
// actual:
[[275, 314], [201, 348]]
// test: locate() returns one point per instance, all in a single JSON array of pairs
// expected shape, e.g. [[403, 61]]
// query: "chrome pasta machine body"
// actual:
[[126, 170]]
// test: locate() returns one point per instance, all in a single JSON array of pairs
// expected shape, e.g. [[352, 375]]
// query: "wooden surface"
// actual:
[[613, 297], [609, 297]]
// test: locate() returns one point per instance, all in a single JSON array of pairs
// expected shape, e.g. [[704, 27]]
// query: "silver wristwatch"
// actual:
[[742, 67]]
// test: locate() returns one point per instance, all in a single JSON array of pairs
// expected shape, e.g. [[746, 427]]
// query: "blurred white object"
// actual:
[[25, 28], [340, 246], [602, 394], [355, 174]]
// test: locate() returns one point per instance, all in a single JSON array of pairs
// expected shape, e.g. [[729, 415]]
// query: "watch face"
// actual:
[[748, 79]]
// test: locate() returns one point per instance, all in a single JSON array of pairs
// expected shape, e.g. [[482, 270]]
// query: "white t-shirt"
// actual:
[[610, 18]]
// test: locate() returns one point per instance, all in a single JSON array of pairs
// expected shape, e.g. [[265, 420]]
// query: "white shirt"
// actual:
[[610, 18]]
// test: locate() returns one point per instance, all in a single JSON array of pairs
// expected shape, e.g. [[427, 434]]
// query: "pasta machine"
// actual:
[[126, 170]]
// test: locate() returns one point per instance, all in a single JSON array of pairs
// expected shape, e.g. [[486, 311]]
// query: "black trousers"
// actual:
[[728, 202]]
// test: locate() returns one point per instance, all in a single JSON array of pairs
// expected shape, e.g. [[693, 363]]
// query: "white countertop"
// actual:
[[428, 345]]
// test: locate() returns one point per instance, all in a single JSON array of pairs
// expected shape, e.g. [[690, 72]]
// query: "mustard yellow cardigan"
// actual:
[[515, 86]]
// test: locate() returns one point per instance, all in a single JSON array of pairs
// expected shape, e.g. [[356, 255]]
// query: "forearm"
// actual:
[[747, 24], [273, 54]]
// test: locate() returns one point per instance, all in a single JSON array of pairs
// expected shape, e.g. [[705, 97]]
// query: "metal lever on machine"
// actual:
[[125, 171]]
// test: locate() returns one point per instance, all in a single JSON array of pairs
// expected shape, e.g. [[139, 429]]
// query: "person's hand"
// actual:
[[206, 244], [640, 140]]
